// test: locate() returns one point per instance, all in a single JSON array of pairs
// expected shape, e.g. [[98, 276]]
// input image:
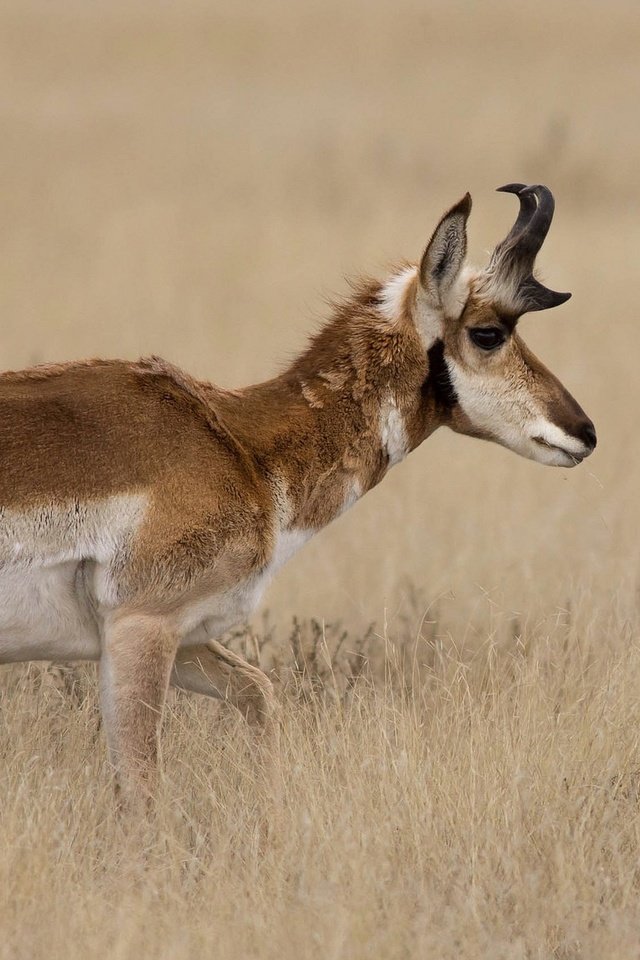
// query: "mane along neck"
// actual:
[[352, 405]]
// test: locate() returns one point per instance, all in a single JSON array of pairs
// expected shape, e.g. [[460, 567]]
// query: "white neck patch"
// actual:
[[393, 433]]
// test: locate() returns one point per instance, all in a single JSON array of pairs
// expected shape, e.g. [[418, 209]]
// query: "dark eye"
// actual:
[[487, 338]]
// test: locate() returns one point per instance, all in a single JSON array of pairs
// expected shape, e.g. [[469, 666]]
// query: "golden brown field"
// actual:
[[462, 778]]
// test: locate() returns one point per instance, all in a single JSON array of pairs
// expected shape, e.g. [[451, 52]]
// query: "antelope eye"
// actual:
[[487, 338]]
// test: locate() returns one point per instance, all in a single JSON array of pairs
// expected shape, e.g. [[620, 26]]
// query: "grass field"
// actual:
[[461, 687]]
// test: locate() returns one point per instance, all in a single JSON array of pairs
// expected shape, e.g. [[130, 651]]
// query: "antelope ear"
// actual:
[[443, 259]]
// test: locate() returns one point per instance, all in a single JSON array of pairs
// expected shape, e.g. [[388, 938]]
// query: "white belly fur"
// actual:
[[43, 615], [214, 615], [44, 612], [45, 556]]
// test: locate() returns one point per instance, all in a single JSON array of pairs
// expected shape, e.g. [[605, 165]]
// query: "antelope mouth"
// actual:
[[574, 457]]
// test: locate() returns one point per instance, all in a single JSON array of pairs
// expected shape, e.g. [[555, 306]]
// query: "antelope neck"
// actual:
[[328, 429]]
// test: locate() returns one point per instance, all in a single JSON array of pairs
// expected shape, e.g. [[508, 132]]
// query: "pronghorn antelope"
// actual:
[[143, 512]]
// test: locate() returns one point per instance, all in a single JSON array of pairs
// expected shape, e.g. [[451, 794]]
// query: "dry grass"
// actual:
[[462, 780], [475, 802]]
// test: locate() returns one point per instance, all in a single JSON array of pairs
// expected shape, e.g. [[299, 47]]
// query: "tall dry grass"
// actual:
[[465, 801], [461, 777]]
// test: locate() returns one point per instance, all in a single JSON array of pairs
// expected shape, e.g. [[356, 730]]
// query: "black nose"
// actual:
[[588, 435]]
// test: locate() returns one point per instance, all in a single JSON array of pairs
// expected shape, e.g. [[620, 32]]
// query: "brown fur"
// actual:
[[515, 363], [224, 474]]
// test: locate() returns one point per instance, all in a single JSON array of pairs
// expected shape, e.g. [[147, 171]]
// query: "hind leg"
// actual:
[[211, 669], [135, 667]]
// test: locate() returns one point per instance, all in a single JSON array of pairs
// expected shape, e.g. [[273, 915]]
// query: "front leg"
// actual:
[[135, 666]]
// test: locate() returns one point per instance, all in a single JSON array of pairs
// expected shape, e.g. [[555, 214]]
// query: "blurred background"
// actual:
[[195, 179]]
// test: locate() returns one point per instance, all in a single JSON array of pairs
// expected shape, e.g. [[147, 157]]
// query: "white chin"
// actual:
[[552, 456]]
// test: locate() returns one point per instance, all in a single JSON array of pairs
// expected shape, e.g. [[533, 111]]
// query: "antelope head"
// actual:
[[487, 381]]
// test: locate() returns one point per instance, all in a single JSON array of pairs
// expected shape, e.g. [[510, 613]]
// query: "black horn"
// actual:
[[527, 209], [512, 262]]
